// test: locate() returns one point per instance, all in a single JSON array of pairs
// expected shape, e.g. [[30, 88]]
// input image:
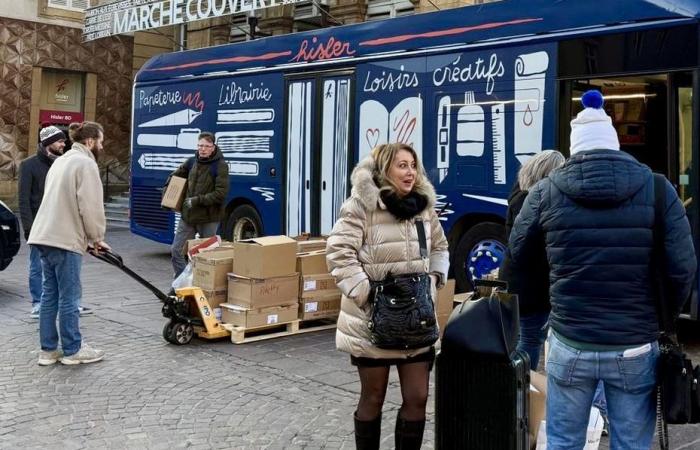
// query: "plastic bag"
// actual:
[[184, 279]]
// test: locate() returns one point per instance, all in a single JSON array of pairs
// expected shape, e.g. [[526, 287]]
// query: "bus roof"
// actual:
[[469, 25]]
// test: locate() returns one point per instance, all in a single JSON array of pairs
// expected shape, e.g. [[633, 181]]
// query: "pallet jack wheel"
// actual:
[[180, 333], [167, 330]]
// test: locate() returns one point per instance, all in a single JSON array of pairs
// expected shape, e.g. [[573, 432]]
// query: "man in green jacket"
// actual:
[[207, 187]]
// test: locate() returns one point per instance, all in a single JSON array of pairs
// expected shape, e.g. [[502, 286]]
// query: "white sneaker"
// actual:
[[85, 355], [36, 309], [48, 358], [84, 311]]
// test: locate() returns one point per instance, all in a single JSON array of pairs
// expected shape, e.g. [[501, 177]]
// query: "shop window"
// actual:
[[385, 9], [71, 5]]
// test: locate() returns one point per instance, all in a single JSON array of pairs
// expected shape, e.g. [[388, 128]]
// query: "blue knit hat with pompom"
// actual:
[[592, 129]]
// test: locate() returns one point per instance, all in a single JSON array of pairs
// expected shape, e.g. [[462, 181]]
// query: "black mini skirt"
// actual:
[[428, 357]]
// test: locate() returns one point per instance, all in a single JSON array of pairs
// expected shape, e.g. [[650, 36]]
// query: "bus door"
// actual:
[[318, 140], [653, 116]]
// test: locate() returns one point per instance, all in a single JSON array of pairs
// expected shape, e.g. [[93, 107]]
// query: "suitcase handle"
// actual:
[[491, 283]]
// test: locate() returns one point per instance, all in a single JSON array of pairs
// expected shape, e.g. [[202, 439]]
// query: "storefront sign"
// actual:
[[64, 117], [137, 15]]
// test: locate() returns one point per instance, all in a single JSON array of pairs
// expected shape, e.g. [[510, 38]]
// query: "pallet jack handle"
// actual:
[[112, 258]]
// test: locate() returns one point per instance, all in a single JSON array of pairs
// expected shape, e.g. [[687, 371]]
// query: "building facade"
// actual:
[[49, 76]]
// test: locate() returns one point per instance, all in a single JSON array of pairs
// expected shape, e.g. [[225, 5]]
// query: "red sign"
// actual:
[[65, 117]]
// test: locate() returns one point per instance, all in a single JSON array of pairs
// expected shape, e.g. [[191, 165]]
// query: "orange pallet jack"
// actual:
[[188, 311]]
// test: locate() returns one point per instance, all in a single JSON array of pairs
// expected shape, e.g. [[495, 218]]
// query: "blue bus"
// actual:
[[475, 90]]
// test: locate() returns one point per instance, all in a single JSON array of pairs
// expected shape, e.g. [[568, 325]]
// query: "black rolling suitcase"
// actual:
[[9, 236], [482, 383]]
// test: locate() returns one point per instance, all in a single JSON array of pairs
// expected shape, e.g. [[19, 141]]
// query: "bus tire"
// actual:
[[243, 223], [482, 247]]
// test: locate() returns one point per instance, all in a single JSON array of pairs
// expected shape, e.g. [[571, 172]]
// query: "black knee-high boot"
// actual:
[[367, 433], [408, 435]]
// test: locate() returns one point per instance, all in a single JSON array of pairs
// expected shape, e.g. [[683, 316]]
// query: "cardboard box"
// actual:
[[538, 404], [211, 268], [319, 307], [265, 257], [317, 285], [254, 318], [311, 245], [174, 194], [442, 321], [215, 298], [463, 297], [253, 293], [445, 298], [312, 263]]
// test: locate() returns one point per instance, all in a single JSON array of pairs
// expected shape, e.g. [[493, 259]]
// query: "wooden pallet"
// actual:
[[243, 335]]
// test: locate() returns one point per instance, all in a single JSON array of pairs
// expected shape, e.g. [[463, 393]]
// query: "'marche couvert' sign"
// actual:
[[137, 15]]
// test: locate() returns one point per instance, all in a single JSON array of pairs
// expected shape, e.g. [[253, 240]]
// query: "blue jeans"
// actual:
[[35, 275], [184, 233], [629, 378], [532, 334], [599, 399], [60, 297]]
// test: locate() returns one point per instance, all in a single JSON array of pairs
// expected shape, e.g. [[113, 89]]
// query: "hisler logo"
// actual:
[[319, 51], [61, 86]]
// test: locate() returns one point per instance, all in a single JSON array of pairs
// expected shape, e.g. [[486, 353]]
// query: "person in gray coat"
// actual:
[[30, 192]]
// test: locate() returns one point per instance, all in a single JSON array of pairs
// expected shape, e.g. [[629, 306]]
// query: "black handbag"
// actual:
[[488, 325], [677, 394], [403, 312]]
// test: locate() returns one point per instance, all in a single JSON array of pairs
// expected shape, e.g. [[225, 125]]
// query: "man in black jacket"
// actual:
[[32, 177], [596, 217]]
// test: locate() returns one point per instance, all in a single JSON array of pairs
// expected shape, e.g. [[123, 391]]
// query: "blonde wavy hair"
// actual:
[[384, 155]]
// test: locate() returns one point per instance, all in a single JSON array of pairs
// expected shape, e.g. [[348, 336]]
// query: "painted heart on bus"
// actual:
[[372, 135]]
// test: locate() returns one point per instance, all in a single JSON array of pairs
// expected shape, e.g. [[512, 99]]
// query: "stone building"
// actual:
[[48, 75]]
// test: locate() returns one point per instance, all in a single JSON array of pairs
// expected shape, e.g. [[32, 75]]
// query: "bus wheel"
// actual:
[[243, 223], [480, 250]]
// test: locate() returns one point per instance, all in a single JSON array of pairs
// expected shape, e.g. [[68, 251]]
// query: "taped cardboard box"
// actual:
[[319, 307], [174, 193], [312, 263], [254, 318], [265, 257], [317, 285], [311, 245], [211, 268], [253, 293], [445, 298], [215, 298]]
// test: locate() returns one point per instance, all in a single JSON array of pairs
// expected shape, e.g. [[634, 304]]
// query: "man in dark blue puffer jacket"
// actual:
[[596, 215]]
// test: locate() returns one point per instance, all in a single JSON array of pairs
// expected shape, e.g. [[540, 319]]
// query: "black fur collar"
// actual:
[[404, 208]]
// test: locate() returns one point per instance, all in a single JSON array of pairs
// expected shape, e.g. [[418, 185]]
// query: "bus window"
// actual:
[[637, 107], [685, 154]]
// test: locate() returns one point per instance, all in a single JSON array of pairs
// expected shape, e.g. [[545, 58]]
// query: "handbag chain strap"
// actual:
[[422, 242], [661, 425], [666, 325]]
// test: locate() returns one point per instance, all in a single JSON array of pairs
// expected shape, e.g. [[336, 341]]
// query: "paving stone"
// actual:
[[295, 392]]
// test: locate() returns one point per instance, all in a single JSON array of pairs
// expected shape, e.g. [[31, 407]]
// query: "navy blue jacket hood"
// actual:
[[601, 178]]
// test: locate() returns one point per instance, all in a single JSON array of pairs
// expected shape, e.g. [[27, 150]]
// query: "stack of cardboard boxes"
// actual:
[[262, 288], [319, 297], [210, 269]]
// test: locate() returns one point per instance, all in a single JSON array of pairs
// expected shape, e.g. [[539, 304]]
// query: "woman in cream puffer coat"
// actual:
[[375, 236]]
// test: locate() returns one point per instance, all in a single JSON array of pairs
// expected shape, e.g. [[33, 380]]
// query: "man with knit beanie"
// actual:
[[595, 215], [30, 192]]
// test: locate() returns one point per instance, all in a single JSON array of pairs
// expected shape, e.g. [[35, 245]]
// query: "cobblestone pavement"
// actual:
[[295, 392]]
